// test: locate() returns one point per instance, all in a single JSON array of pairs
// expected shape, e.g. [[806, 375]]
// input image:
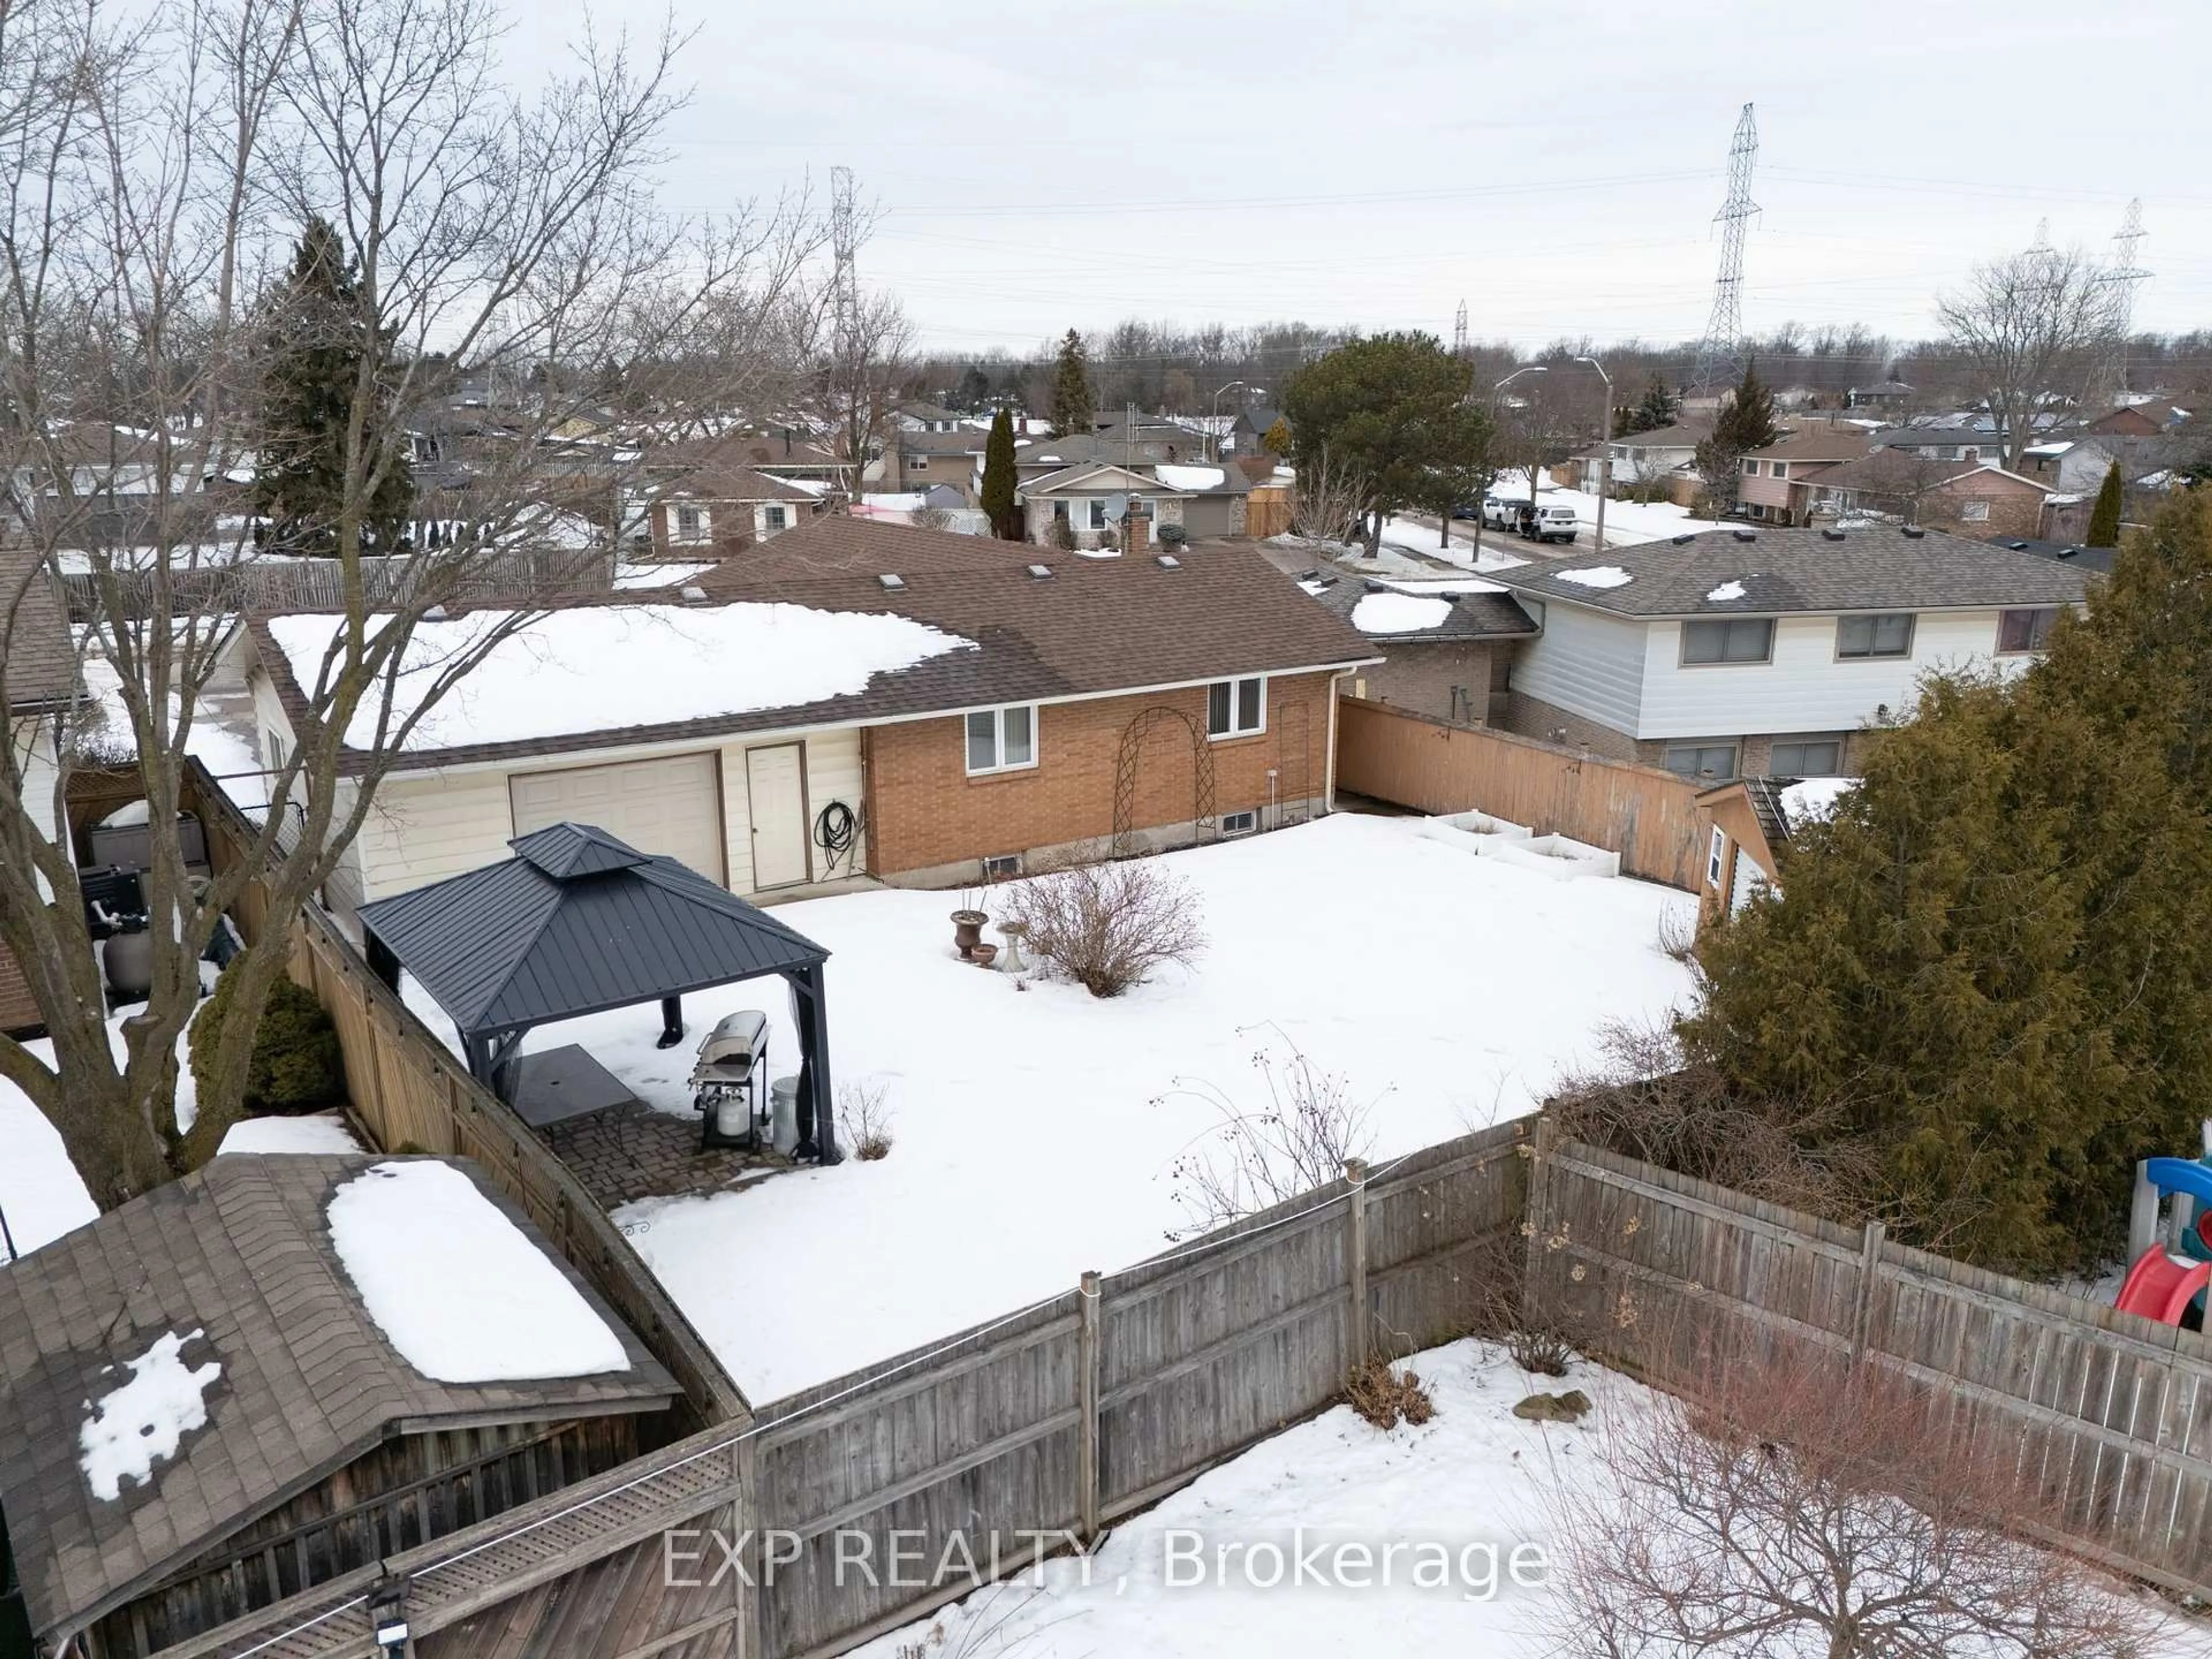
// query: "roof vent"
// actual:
[[1912, 530], [695, 596], [1742, 535], [892, 581], [1682, 541], [2068, 552], [1040, 572], [2022, 547], [1167, 562], [1832, 534]]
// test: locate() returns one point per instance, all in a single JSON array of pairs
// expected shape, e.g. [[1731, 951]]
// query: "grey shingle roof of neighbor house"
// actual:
[[1780, 571], [575, 922], [239, 1251], [1478, 615], [34, 636]]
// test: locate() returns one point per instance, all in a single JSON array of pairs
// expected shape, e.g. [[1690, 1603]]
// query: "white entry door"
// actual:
[[672, 805], [776, 785]]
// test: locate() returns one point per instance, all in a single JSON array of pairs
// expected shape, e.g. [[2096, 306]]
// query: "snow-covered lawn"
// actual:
[[1035, 1129], [1181, 1582]]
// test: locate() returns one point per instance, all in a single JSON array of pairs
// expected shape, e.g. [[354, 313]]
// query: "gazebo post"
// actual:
[[817, 1125], [672, 1022]]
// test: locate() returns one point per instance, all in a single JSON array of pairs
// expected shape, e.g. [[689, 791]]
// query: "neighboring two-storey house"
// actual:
[[1776, 484], [1766, 652]]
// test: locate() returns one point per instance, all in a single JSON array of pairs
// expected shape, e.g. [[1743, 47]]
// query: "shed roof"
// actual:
[[34, 636], [575, 922], [242, 1252], [1770, 572]]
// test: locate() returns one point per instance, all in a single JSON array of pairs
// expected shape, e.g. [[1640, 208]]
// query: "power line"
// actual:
[[1721, 352]]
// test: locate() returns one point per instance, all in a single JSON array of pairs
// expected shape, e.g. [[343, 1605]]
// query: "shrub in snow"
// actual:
[[1259, 1156], [296, 1066], [1386, 1397], [1793, 1503], [1107, 926], [864, 1121]]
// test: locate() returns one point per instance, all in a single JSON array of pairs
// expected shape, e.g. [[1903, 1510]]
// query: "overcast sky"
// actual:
[[1374, 162]]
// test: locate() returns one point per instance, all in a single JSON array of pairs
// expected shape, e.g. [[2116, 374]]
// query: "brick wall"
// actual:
[[1420, 677], [925, 812], [1532, 717]]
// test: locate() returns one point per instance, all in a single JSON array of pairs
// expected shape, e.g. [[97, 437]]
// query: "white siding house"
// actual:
[[1587, 663]]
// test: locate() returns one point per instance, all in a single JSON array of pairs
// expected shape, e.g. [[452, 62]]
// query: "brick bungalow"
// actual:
[[718, 509], [1073, 703], [1974, 499]]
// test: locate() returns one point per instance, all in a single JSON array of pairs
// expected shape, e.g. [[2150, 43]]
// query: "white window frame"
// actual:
[[917, 463], [998, 762], [1974, 512], [1716, 857], [1235, 729], [695, 530], [1750, 467], [1250, 815], [775, 516], [273, 746], [1097, 513], [1781, 469]]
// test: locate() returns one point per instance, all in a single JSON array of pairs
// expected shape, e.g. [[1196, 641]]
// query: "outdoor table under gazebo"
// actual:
[[577, 923]]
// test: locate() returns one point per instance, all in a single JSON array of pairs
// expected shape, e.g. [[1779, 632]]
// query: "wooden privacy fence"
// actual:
[[1089, 1407], [2112, 1413], [1651, 817]]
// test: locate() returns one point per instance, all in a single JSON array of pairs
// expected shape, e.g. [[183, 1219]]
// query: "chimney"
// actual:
[[786, 443]]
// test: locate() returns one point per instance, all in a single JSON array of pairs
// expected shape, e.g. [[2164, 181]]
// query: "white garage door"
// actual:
[[672, 805]]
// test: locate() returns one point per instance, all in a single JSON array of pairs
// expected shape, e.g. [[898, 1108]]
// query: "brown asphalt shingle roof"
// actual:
[[720, 482], [37, 666], [240, 1251], [1472, 616], [1095, 627]]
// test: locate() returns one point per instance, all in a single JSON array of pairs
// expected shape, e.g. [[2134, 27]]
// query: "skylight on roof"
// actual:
[[892, 581], [1041, 571]]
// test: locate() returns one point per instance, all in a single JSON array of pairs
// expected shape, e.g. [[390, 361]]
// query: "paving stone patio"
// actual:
[[632, 1152]]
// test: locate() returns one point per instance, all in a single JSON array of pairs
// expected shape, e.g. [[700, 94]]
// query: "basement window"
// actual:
[[1005, 867], [1001, 739], [1236, 708], [1240, 824]]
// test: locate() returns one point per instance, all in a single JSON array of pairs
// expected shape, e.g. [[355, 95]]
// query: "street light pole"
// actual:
[[1525, 368], [1604, 445], [1213, 428]]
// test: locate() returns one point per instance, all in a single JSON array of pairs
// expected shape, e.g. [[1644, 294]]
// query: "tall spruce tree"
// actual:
[[2105, 516], [1073, 411], [314, 372], [1747, 420], [1995, 963], [998, 480], [1654, 410]]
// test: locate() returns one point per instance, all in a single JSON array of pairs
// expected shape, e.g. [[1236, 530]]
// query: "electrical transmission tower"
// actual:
[[845, 244], [1720, 353], [2119, 280], [1459, 332]]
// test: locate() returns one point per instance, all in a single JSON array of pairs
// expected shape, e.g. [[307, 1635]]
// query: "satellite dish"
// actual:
[[1118, 506]]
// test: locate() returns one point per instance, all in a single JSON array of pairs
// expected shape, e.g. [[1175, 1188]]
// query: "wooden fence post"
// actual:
[[1870, 1249], [1355, 1172], [1533, 1221], [1087, 1380]]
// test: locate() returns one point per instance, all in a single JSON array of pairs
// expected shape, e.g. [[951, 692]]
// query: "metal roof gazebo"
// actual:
[[578, 922]]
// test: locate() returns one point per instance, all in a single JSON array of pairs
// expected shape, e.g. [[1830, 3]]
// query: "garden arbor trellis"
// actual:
[[1126, 767], [577, 923]]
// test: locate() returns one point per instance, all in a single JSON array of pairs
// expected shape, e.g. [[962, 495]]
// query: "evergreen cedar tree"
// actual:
[[973, 395], [1276, 440], [1073, 411], [317, 342], [1746, 423], [1394, 410], [997, 494], [1993, 963], [2105, 516], [1655, 409]]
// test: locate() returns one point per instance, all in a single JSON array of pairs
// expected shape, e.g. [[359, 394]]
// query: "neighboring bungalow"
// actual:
[[1666, 452], [718, 508], [960, 699], [1973, 498], [1882, 395], [1778, 481], [1097, 505], [1758, 653], [280, 1371], [39, 690], [920, 417], [1446, 645]]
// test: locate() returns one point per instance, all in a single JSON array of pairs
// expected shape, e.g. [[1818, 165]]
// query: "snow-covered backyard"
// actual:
[[1456, 1496], [1035, 1128]]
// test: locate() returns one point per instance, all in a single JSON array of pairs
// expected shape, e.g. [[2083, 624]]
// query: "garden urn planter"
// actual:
[[967, 931]]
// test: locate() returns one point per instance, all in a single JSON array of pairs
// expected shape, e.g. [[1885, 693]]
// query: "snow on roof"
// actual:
[[602, 668], [1726, 592], [1190, 477], [142, 1422], [1398, 613], [456, 1288], [1450, 586], [1603, 575], [317, 1132], [661, 574], [1813, 799]]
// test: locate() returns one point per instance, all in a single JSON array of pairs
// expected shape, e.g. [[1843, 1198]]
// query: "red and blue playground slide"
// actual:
[[2167, 1281]]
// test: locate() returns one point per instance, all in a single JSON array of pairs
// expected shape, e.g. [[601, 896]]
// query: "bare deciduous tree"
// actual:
[[863, 366], [1327, 501], [1801, 1506], [1254, 1157], [155, 165], [2030, 327]]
